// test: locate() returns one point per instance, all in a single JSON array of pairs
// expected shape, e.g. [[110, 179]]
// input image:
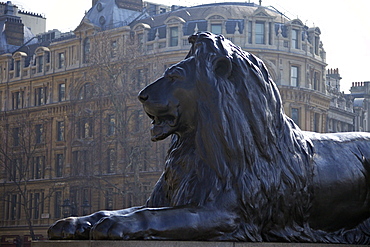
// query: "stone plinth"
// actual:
[[87, 243]]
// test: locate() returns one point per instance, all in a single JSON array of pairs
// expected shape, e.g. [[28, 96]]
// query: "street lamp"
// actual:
[[86, 207], [66, 208]]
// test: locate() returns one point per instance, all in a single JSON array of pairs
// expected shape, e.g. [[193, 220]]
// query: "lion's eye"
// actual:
[[174, 77]]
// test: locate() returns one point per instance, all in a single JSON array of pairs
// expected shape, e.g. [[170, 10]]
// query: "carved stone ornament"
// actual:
[[238, 168]]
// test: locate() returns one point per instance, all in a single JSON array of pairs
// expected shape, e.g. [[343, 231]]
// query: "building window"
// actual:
[[16, 140], [140, 40], [58, 204], [216, 28], [18, 68], [86, 50], [141, 80], [40, 96], [38, 167], [249, 32], [316, 81], [13, 207], [59, 165], [61, 92], [60, 131], [85, 128], [16, 170], [47, 57], [295, 39], [295, 115], [294, 76], [61, 60], [316, 122], [111, 125], [260, 32], [113, 45], [86, 92], [36, 205], [111, 161], [40, 63], [80, 163], [39, 133], [317, 45], [17, 100], [174, 36]]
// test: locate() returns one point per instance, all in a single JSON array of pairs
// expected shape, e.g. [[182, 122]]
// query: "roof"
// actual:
[[106, 14], [358, 102], [201, 12]]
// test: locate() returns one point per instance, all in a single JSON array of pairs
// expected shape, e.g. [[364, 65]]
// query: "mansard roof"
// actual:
[[106, 14], [230, 11]]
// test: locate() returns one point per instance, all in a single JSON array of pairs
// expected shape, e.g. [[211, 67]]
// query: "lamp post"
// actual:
[[66, 208], [85, 207]]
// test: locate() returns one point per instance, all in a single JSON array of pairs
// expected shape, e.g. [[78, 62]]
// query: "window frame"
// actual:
[[86, 50], [259, 35], [40, 96], [111, 119], [295, 115], [59, 163], [218, 25], [60, 131], [61, 92], [39, 131], [294, 76], [295, 39], [61, 60], [173, 39]]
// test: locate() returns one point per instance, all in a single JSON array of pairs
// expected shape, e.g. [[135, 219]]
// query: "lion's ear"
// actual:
[[222, 67]]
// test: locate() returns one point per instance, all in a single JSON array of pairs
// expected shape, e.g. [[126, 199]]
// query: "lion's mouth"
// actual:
[[163, 126]]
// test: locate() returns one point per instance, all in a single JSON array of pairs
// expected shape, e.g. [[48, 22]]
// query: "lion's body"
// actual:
[[238, 168]]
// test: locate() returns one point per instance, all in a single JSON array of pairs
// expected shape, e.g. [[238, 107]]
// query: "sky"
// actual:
[[344, 25]]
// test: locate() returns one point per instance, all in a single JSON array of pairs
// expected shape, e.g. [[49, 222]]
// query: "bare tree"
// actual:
[[22, 159], [117, 69]]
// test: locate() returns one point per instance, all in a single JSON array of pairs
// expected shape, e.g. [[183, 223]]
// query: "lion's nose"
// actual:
[[142, 96]]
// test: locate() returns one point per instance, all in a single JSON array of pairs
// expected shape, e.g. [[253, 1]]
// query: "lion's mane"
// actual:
[[243, 143]]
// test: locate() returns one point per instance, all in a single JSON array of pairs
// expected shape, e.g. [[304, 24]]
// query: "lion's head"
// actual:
[[230, 132], [170, 101], [217, 85]]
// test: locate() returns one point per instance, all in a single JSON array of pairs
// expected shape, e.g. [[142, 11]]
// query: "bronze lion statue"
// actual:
[[238, 168]]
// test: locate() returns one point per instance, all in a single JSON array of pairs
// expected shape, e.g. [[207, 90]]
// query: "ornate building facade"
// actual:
[[74, 138], [360, 92]]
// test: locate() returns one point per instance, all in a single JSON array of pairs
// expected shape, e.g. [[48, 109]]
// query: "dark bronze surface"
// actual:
[[238, 168]]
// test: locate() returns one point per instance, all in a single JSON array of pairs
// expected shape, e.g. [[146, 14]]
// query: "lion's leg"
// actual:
[[183, 223], [79, 227]]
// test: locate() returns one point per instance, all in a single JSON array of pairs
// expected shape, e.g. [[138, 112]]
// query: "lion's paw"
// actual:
[[116, 228], [70, 228]]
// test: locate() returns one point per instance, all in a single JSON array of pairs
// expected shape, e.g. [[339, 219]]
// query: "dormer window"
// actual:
[[40, 63], [295, 39], [216, 28], [174, 36], [260, 32], [17, 68], [174, 30]]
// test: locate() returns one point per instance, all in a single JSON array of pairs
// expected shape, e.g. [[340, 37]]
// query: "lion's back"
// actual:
[[341, 165]]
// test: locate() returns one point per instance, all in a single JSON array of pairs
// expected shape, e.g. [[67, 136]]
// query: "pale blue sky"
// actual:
[[345, 26]]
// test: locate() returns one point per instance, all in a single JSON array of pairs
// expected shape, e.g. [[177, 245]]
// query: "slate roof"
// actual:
[[106, 15]]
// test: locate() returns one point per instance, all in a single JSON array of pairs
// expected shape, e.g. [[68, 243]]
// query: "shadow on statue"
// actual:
[[238, 168]]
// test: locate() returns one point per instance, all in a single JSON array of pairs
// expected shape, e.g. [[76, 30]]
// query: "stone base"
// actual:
[[150, 243]]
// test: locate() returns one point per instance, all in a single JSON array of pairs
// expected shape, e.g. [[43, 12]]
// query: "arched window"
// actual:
[[86, 50]]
